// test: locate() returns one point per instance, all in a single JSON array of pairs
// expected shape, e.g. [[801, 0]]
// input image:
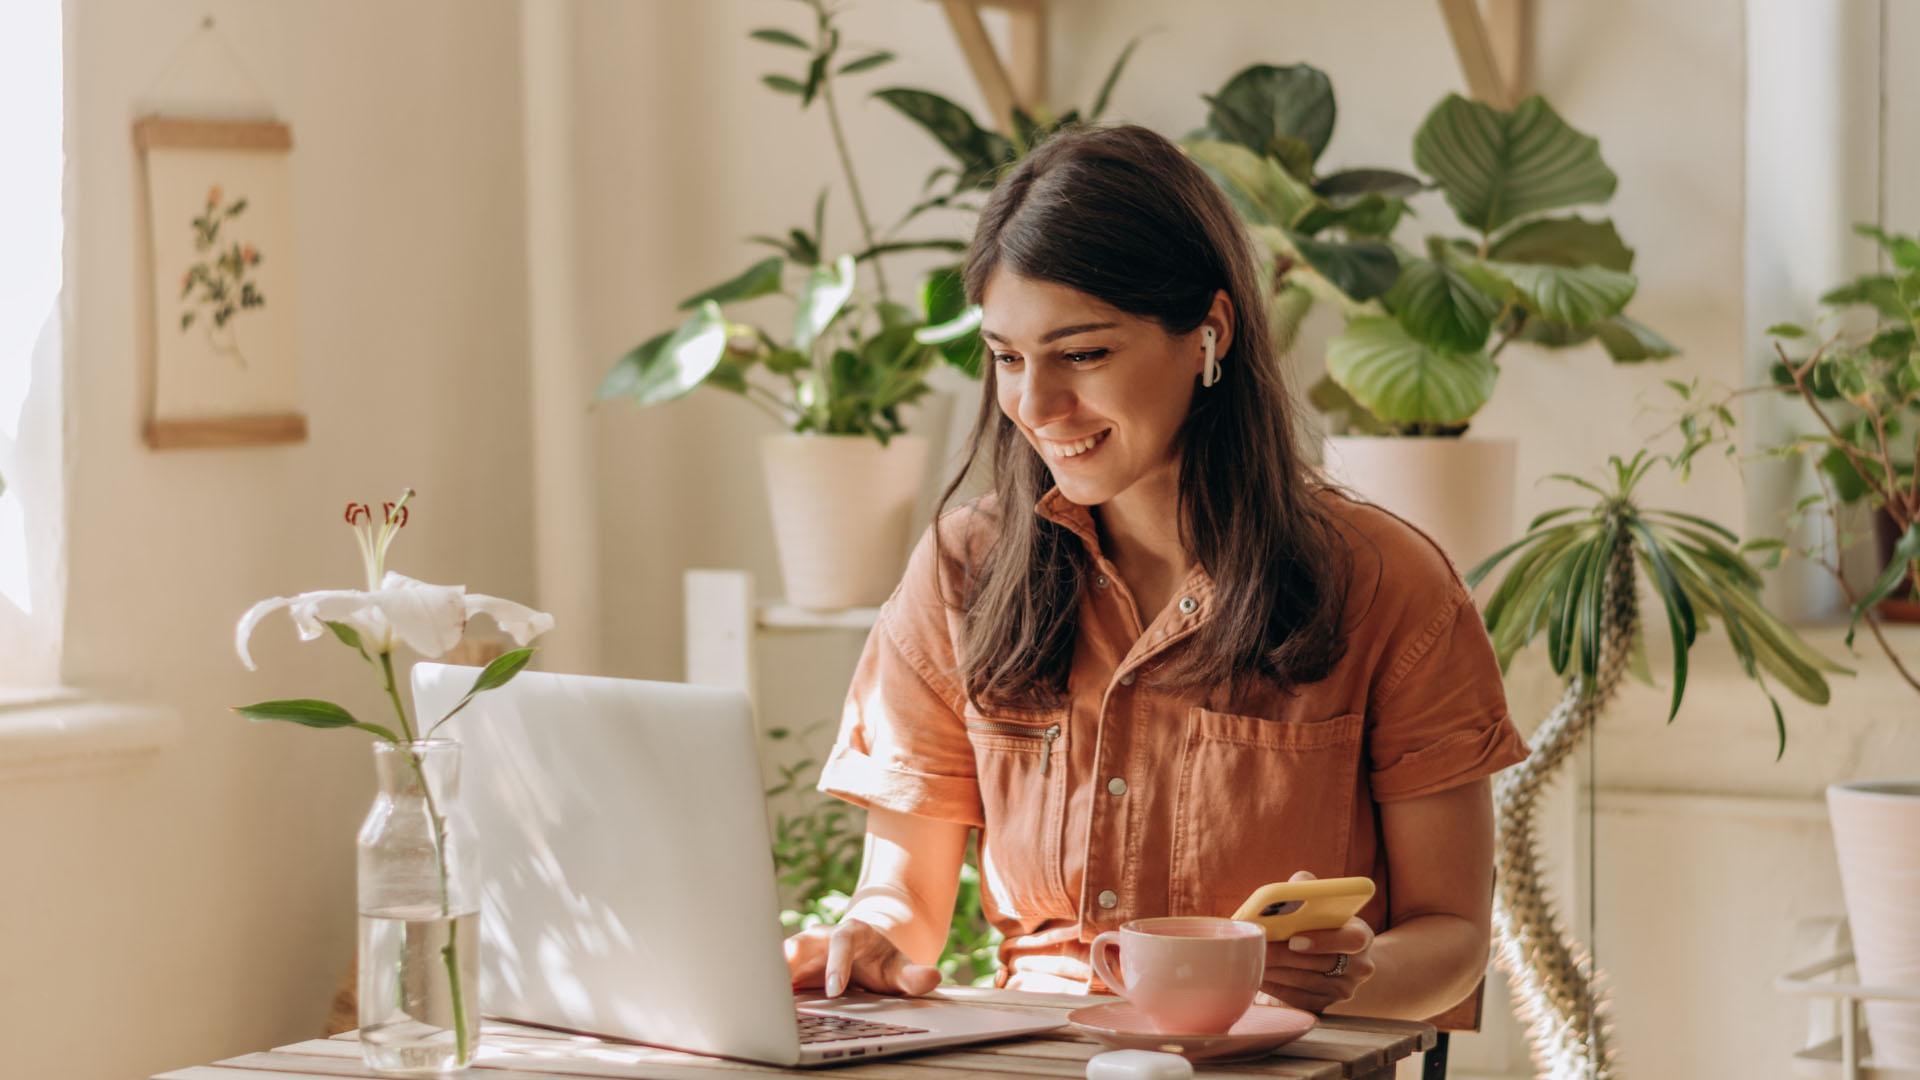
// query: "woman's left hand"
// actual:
[[1319, 968]]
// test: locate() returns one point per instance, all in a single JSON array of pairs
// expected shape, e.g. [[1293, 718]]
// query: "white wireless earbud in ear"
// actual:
[[1210, 374]]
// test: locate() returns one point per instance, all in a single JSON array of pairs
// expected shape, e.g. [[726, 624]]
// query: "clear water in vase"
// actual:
[[408, 1003]]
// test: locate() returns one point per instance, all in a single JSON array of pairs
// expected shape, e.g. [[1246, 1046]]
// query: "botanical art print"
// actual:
[[217, 288], [220, 363]]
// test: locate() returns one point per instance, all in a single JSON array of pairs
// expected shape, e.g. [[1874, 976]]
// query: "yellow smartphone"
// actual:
[[1286, 908]]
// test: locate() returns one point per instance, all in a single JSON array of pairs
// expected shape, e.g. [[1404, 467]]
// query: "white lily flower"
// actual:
[[428, 618]]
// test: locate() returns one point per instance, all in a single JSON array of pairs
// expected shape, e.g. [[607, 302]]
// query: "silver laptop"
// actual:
[[629, 883]]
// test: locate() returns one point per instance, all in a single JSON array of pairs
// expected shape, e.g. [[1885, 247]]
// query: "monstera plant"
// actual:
[[1426, 323]]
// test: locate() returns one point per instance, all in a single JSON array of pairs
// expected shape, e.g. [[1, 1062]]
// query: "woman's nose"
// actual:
[[1044, 398]]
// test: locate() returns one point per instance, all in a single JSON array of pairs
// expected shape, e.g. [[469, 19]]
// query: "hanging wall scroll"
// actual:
[[221, 365]]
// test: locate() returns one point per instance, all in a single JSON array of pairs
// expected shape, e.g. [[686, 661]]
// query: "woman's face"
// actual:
[[1098, 393]]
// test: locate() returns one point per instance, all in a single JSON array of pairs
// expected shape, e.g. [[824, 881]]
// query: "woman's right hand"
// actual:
[[856, 953]]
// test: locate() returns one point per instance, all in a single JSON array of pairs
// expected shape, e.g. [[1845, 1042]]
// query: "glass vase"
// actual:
[[419, 888]]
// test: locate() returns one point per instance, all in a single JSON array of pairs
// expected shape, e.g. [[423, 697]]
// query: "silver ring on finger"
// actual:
[[1339, 966]]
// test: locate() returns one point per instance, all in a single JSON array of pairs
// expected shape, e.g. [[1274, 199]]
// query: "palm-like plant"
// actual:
[[1574, 576], [1698, 570]]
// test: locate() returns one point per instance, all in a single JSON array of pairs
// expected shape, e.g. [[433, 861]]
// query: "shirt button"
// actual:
[[1108, 899], [1116, 786], [1126, 679], [1188, 604], [1100, 582]]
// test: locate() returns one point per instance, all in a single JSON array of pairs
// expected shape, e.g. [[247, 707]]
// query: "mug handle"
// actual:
[[1098, 957]]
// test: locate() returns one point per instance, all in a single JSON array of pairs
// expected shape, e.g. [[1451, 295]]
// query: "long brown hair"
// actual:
[[1121, 214]]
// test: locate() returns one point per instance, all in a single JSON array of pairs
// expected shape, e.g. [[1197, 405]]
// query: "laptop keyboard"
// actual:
[[826, 1027]]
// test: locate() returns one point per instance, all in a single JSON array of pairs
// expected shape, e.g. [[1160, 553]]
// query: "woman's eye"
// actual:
[[1005, 358], [1085, 357]]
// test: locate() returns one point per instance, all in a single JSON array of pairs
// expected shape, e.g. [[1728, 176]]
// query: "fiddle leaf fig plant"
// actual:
[[1425, 325]]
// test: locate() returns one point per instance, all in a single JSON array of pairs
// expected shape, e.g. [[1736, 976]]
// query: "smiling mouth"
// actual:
[[1062, 450]]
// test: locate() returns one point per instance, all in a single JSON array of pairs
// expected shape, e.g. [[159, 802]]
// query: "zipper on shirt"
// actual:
[[1046, 736]]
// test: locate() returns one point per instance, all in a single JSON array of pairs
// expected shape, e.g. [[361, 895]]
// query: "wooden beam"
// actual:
[[1510, 26], [1022, 83], [1028, 55], [971, 32], [1474, 45]]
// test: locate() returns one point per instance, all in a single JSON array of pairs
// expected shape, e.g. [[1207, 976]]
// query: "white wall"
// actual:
[[201, 905]]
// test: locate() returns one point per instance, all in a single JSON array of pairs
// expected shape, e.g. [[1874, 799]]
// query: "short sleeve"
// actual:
[[902, 745], [1441, 718]]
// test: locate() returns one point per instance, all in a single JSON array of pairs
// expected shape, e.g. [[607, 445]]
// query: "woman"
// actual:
[[1160, 664]]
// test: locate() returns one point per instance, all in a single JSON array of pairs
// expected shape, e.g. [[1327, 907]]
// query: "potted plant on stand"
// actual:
[[1860, 386], [844, 479], [1425, 327]]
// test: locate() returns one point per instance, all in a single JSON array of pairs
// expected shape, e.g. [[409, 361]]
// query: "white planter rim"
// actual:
[[1889, 790]]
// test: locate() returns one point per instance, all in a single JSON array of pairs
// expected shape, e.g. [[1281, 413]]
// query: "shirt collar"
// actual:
[[1077, 519], [1069, 515]]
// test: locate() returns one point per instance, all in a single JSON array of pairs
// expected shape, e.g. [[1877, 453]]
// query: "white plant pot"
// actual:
[[1876, 834], [1458, 491], [843, 513]]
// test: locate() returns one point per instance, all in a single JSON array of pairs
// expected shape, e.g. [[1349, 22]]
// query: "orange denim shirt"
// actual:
[[1132, 801]]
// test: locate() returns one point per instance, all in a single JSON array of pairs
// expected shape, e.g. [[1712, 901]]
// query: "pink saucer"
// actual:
[[1263, 1029]]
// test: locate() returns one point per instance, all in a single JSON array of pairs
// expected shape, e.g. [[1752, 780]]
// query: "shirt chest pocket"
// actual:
[[1020, 761], [1257, 800]]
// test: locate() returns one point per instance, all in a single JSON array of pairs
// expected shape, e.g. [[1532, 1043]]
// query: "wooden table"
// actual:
[[1339, 1049]]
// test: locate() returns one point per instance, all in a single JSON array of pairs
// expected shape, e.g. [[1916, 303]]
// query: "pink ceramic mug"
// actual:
[[1187, 975]]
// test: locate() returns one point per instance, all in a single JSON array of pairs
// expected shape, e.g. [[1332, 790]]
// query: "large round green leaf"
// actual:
[[1264, 108], [1362, 271], [1262, 191], [1438, 305], [1403, 381], [1496, 167], [1575, 295], [1568, 241]]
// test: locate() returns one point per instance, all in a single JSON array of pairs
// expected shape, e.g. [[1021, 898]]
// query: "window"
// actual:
[[31, 123]]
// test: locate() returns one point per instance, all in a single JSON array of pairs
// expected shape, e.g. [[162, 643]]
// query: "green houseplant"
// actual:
[[816, 853], [1856, 372], [1425, 321], [1862, 388], [844, 478], [1574, 576], [1425, 325]]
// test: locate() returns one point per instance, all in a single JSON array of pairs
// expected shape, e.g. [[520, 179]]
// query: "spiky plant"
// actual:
[[1575, 578]]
